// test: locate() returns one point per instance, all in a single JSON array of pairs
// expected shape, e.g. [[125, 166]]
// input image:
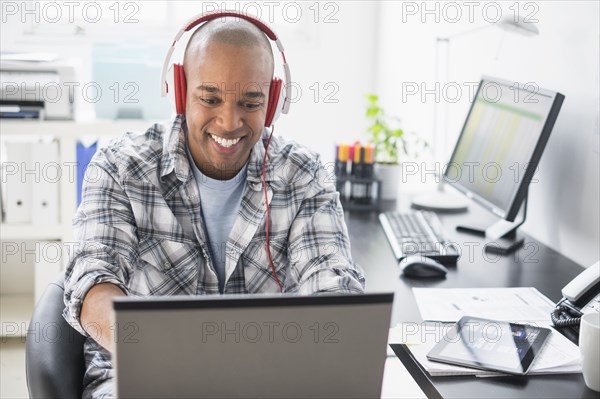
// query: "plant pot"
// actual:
[[389, 174]]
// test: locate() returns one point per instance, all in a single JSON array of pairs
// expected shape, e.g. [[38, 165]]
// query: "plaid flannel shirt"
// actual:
[[140, 227]]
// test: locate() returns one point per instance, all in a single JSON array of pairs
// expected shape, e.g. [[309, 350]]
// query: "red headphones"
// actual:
[[174, 76], [173, 83]]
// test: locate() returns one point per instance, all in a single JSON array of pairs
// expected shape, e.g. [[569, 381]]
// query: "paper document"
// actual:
[[440, 306], [518, 304], [559, 356]]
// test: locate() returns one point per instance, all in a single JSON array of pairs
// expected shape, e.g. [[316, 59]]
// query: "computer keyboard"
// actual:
[[418, 233]]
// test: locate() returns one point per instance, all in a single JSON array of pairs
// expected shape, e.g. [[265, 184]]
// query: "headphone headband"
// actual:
[[207, 17], [201, 18]]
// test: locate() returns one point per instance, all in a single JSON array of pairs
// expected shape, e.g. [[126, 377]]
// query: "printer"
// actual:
[[37, 89]]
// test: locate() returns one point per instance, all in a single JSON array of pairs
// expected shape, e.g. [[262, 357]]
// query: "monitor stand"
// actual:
[[502, 236], [440, 201]]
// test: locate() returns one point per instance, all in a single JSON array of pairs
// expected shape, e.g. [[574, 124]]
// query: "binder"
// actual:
[[18, 174], [46, 186], [84, 156], [1, 197]]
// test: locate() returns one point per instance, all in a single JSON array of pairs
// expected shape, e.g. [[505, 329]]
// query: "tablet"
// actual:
[[490, 345]]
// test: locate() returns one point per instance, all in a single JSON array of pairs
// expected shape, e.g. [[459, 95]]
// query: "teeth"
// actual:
[[225, 142]]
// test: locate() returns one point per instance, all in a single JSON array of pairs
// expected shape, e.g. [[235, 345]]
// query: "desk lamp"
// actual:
[[441, 200]]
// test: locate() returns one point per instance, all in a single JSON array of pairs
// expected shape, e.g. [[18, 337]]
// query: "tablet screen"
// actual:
[[490, 345]]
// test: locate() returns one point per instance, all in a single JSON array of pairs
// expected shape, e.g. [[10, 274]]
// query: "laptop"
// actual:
[[266, 346]]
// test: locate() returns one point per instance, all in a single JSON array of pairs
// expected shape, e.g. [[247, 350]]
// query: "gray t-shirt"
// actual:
[[220, 202]]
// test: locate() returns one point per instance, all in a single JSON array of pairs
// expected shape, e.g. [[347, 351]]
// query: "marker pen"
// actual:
[[359, 188], [369, 172], [341, 169]]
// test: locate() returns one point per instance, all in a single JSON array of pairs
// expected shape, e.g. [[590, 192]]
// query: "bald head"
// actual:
[[235, 32], [228, 71]]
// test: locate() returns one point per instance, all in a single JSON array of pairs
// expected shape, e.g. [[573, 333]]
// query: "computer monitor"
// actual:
[[500, 145]]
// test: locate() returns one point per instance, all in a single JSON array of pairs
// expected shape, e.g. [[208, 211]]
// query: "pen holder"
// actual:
[[359, 193]]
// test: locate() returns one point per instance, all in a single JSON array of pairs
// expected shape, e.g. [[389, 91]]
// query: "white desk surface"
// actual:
[[398, 383]]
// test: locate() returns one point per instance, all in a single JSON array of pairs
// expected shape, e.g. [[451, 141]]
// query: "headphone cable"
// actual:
[[264, 182]]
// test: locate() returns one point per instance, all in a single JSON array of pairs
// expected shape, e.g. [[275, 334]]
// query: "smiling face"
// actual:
[[226, 104]]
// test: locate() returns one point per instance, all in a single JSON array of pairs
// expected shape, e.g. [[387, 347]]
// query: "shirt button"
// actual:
[[167, 265]]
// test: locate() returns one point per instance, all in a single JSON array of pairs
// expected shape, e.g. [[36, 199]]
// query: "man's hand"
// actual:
[[97, 315]]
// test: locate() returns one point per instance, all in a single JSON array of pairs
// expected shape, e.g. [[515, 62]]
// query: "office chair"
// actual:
[[54, 359]]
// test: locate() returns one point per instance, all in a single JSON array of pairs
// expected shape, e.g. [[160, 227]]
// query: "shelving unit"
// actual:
[[15, 313], [31, 232], [16, 307]]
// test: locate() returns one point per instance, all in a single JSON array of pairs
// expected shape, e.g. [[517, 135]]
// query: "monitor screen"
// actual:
[[501, 143]]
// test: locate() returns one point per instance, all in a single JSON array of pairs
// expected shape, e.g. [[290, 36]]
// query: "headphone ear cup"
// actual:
[[273, 105], [180, 88]]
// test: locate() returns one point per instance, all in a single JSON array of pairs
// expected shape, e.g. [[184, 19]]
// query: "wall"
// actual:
[[382, 46], [330, 47], [564, 203], [338, 63]]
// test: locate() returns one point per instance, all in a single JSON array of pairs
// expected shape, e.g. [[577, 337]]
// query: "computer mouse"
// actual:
[[421, 266]]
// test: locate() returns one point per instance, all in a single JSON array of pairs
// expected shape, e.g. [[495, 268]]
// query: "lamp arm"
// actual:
[[466, 32]]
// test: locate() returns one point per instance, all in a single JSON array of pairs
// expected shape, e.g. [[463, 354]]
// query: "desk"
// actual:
[[534, 264]]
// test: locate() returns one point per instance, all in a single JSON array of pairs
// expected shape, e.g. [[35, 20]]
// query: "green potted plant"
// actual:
[[391, 143]]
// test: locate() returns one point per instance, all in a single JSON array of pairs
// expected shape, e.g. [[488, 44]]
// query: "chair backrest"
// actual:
[[53, 350]]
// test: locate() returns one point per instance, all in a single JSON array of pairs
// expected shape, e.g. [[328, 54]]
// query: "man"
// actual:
[[183, 211]]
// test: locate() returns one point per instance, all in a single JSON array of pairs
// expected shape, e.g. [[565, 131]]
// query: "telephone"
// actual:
[[580, 296]]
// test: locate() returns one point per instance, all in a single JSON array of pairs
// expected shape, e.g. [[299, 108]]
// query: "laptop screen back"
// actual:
[[259, 346]]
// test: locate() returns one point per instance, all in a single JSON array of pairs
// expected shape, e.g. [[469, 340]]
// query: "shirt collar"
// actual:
[[174, 158]]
